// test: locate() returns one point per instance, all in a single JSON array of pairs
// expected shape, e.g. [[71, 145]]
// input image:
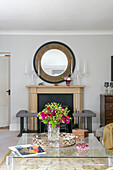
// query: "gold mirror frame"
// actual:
[[48, 46]]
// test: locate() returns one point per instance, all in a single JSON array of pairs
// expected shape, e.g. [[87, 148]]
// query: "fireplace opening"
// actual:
[[66, 100]]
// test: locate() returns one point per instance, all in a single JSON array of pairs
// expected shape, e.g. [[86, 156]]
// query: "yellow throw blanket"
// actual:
[[108, 138]]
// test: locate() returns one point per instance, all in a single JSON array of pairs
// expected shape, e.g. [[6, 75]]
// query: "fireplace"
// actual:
[[67, 96], [66, 100], [63, 99]]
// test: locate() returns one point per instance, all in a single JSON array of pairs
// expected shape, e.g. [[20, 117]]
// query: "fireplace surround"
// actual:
[[70, 96]]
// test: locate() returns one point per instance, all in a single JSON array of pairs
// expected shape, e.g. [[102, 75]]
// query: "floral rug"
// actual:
[[57, 164], [3, 162]]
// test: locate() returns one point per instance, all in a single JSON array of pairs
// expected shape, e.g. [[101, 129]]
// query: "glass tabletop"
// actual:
[[95, 150]]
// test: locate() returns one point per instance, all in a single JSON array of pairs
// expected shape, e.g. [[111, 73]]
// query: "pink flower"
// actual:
[[48, 115], [48, 108], [65, 78], [67, 121], [43, 115], [59, 120]]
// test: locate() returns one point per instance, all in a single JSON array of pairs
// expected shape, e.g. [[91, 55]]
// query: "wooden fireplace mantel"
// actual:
[[77, 92]]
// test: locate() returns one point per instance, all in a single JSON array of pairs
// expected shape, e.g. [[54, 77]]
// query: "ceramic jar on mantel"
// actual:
[[68, 82]]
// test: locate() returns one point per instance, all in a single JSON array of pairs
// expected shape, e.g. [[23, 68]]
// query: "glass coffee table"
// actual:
[[62, 158]]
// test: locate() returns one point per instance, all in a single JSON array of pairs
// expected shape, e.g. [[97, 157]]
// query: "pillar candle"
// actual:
[[77, 65], [71, 67], [38, 68], [25, 67], [84, 71], [32, 68]]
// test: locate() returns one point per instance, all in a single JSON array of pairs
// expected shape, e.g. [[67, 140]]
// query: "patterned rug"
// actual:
[[56, 163], [2, 163]]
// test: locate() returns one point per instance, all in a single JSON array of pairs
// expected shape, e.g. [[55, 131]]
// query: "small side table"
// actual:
[[86, 114]]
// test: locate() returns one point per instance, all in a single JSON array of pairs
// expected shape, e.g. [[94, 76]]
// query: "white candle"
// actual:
[[38, 68], [77, 65], [71, 67], [85, 67], [25, 67], [32, 68]]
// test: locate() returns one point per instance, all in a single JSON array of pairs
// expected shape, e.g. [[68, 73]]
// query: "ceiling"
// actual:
[[56, 15]]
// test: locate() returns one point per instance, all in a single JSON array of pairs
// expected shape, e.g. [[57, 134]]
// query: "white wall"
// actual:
[[96, 50]]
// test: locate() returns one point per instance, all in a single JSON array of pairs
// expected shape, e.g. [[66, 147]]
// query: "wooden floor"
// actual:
[[7, 127], [7, 138]]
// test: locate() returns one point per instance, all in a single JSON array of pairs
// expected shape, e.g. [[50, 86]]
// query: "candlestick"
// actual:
[[25, 67]]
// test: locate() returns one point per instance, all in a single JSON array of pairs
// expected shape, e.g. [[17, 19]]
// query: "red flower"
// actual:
[[43, 115], [48, 115], [48, 108], [53, 112], [64, 118]]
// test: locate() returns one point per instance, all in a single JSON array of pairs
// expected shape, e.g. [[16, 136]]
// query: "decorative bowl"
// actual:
[[82, 149]]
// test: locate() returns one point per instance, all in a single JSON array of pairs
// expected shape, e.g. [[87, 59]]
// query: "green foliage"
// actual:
[[53, 125], [54, 114]]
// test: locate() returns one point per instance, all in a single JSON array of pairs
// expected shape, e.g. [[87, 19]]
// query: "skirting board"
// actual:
[[15, 127], [3, 124]]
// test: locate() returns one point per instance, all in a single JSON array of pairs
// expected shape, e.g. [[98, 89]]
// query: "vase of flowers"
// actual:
[[53, 133], [67, 79], [53, 115]]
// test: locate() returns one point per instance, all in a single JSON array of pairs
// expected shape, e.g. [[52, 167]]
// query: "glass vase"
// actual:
[[53, 134]]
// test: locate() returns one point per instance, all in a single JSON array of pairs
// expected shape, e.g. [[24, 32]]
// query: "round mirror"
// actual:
[[54, 62]]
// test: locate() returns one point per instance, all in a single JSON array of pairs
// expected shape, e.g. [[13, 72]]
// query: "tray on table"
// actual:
[[65, 140]]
